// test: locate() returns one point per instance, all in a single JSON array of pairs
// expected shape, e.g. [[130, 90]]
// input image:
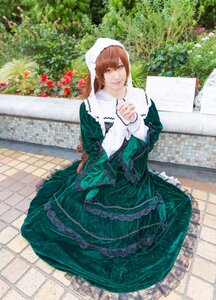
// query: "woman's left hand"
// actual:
[[127, 110]]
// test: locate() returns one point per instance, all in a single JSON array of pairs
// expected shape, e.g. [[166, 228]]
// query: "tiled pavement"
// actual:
[[24, 276]]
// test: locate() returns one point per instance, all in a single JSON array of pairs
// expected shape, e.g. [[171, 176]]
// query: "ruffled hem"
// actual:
[[84, 289]]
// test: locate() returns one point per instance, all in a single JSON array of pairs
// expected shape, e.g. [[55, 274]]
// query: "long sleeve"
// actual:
[[138, 128], [133, 158], [101, 167]]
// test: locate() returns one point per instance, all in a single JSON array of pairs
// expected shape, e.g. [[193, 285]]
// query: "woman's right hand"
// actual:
[[126, 110]]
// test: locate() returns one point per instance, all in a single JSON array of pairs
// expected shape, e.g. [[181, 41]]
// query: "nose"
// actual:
[[116, 74]]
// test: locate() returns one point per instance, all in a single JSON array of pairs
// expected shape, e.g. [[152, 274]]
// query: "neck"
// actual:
[[117, 94]]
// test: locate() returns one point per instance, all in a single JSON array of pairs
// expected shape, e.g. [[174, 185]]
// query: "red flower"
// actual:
[[67, 90], [81, 83], [49, 83], [44, 95], [43, 77], [69, 74], [2, 84], [67, 79]]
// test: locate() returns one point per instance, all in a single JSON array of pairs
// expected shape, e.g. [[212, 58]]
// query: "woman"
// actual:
[[108, 219]]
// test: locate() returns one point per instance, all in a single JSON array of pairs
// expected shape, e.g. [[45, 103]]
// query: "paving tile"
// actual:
[[28, 179], [31, 160], [46, 175], [24, 157], [8, 152], [16, 155], [204, 269], [6, 257], [4, 287], [213, 188], [49, 166], [14, 199], [30, 169], [39, 172], [59, 275], [8, 182], [50, 290], [3, 208], [23, 205], [10, 215], [171, 296], [19, 221], [4, 168], [69, 296], [21, 166], [207, 250], [199, 185], [13, 295], [29, 254], [7, 234], [208, 234], [48, 158], [31, 282], [182, 285], [17, 186], [13, 163], [211, 209], [5, 160], [20, 176], [44, 266], [199, 289], [11, 172], [212, 198], [17, 244], [40, 163], [2, 177], [57, 160], [5, 194], [200, 194], [210, 220], [15, 270], [26, 191], [2, 226]]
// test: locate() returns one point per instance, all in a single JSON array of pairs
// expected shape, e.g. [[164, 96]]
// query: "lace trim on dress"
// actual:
[[168, 284], [123, 217], [51, 214], [111, 252]]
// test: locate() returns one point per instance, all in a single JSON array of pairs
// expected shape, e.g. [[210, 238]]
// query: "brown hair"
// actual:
[[108, 58]]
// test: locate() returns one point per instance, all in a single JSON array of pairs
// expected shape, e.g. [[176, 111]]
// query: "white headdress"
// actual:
[[91, 57]]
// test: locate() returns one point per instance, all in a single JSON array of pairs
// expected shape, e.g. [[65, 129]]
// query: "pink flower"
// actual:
[[59, 83], [81, 83], [84, 91], [44, 95], [43, 77]]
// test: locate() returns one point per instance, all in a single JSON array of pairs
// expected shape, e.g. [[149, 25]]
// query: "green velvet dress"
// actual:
[[116, 225]]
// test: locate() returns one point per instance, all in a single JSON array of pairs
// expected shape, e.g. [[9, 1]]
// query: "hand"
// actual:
[[127, 110]]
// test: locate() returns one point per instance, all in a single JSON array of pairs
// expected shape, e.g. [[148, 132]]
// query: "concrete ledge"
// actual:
[[67, 110], [58, 109]]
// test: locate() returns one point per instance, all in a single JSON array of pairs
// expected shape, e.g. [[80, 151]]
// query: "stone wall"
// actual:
[[180, 148]]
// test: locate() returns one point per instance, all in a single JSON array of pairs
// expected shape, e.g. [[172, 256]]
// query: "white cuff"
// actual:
[[138, 128], [115, 136]]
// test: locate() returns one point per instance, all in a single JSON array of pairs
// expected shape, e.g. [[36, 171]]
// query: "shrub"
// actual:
[[201, 59], [166, 60]]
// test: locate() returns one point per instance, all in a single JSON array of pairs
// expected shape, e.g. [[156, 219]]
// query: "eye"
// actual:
[[121, 66], [108, 70]]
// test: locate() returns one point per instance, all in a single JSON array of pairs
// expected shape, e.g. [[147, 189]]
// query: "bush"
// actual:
[[201, 59], [165, 61], [51, 49]]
